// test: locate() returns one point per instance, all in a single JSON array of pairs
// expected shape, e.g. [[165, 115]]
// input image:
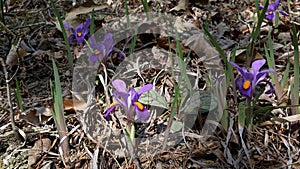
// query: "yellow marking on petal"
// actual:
[[97, 52], [139, 105], [270, 12], [113, 103], [246, 84], [79, 34]]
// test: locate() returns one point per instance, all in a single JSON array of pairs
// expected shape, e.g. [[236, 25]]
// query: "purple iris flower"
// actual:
[[270, 14], [98, 49], [108, 43], [248, 80], [129, 100], [103, 48], [79, 33]]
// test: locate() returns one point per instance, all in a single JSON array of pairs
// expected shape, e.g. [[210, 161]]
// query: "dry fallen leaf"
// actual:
[[72, 105], [181, 6], [72, 17], [37, 150], [40, 115], [37, 115], [205, 51], [14, 54], [292, 118]]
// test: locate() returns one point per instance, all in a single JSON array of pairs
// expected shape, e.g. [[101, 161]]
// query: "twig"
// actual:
[[104, 84], [2, 13], [6, 28], [11, 112], [167, 132]]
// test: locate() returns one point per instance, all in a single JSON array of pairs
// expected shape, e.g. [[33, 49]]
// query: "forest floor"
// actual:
[[197, 117]]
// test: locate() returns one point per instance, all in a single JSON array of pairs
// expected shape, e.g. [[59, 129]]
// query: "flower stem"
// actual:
[[249, 113], [130, 117], [131, 137]]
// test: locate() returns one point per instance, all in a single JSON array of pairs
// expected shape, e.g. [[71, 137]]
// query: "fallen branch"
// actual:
[[11, 112]]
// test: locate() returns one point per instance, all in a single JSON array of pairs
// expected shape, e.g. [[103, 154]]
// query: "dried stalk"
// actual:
[[11, 112], [6, 29]]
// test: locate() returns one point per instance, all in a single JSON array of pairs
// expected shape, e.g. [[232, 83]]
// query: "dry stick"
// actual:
[[105, 85], [2, 13], [167, 132], [251, 54], [6, 28], [11, 112]]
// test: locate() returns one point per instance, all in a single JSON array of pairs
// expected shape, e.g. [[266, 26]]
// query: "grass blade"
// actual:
[[285, 74], [69, 55], [133, 44], [295, 92], [146, 8], [1, 8], [18, 96], [92, 25], [127, 14], [271, 65], [58, 112], [182, 64], [256, 32], [216, 45]]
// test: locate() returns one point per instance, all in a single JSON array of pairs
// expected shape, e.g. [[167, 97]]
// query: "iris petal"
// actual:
[[247, 76], [145, 89], [142, 115], [128, 100], [108, 42], [133, 95], [110, 109], [256, 65], [122, 98], [284, 13], [119, 85], [139, 105], [271, 7], [94, 57], [71, 39], [276, 4], [246, 84], [246, 92], [261, 6], [120, 54], [270, 16], [236, 66], [271, 88], [80, 32], [262, 74], [86, 25], [80, 39], [247, 81], [93, 42]]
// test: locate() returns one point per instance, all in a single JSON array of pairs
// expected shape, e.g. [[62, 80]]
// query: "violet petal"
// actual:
[[284, 13], [245, 92], [110, 109], [142, 115], [119, 85], [86, 25], [276, 4], [271, 88], [144, 89], [236, 66], [256, 65], [262, 74]]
